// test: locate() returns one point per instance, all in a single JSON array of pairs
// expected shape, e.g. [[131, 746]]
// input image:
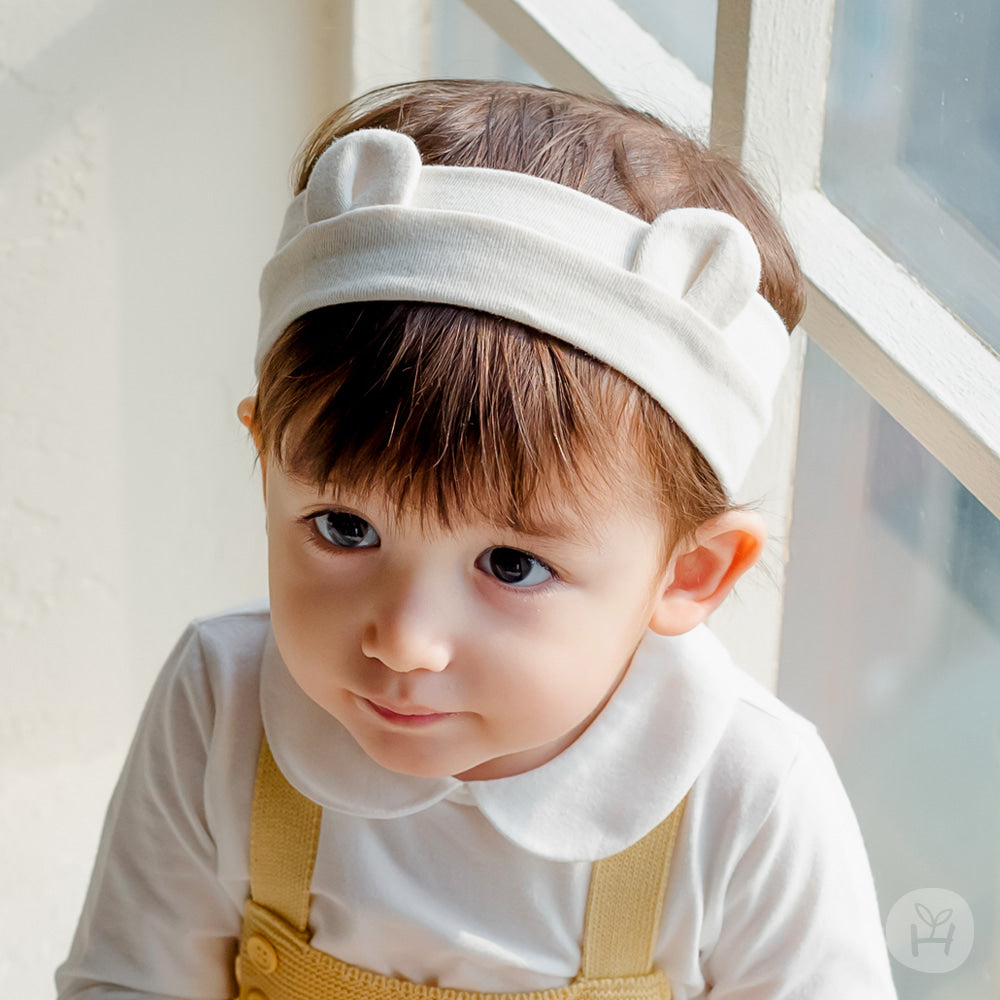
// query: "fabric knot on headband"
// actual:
[[672, 304]]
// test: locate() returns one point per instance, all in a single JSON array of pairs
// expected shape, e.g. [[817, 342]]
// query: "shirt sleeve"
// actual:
[[157, 921], [800, 918]]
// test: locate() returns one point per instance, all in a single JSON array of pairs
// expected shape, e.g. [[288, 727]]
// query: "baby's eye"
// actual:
[[513, 567], [346, 531]]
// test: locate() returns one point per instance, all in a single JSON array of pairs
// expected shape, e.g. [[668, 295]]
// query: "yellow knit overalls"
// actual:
[[276, 961]]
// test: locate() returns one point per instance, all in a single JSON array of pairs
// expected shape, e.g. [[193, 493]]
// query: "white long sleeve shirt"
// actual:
[[482, 885]]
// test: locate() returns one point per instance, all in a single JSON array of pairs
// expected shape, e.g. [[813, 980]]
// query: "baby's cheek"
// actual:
[[563, 692]]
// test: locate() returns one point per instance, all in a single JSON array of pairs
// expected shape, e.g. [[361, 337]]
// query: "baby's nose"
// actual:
[[408, 631]]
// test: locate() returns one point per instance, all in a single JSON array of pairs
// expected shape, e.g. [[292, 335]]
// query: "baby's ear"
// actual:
[[245, 411], [704, 569]]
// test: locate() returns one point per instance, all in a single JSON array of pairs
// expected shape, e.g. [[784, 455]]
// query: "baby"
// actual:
[[517, 349]]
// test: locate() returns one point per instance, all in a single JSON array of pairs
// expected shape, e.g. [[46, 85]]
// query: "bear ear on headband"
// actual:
[[360, 170], [703, 257]]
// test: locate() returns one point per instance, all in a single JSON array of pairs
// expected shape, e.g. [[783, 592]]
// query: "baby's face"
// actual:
[[478, 651]]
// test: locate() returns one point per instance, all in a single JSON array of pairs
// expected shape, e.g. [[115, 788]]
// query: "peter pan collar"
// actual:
[[621, 777]]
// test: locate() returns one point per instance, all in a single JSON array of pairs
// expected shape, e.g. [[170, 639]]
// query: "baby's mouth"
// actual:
[[406, 715]]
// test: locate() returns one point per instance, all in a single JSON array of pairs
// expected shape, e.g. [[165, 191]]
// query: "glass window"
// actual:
[[912, 150], [464, 46], [891, 643], [685, 28]]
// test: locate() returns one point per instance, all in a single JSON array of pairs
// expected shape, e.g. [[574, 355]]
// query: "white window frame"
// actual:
[[766, 107]]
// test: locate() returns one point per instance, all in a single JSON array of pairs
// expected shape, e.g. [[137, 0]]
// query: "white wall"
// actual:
[[144, 153]]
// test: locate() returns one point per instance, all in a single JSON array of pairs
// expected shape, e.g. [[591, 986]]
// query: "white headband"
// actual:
[[672, 304]]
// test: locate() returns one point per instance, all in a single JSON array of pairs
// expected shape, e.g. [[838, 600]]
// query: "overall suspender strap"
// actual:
[[625, 903], [284, 834]]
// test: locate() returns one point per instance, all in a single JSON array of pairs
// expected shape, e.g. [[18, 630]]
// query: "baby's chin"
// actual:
[[468, 769], [431, 765]]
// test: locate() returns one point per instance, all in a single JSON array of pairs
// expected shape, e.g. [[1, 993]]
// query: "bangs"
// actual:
[[453, 412]]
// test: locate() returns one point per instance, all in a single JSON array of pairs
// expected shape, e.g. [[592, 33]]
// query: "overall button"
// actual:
[[261, 952], [256, 995]]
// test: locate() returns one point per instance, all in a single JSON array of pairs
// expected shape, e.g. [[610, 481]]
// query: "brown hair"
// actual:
[[461, 411]]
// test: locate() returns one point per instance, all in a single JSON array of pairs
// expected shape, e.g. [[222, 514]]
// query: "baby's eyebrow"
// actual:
[[329, 492], [558, 531], [566, 530]]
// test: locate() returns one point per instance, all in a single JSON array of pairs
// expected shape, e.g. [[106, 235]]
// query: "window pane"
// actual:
[[465, 46], [912, 149], [685, 28], [891, 645]]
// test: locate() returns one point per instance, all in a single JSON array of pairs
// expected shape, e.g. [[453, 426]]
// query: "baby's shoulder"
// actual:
[[234, 639], [765, 754], [759, 723], [215, 666], [764, 734]]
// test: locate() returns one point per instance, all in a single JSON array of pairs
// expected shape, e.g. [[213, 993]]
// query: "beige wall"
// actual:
[[144, 153]]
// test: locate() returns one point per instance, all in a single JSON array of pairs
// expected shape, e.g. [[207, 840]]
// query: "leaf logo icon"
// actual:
[[928, 918], [930, 930]]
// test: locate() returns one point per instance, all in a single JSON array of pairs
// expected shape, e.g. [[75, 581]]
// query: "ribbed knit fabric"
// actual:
[[625, 902], [276, 961], [281, 866]]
